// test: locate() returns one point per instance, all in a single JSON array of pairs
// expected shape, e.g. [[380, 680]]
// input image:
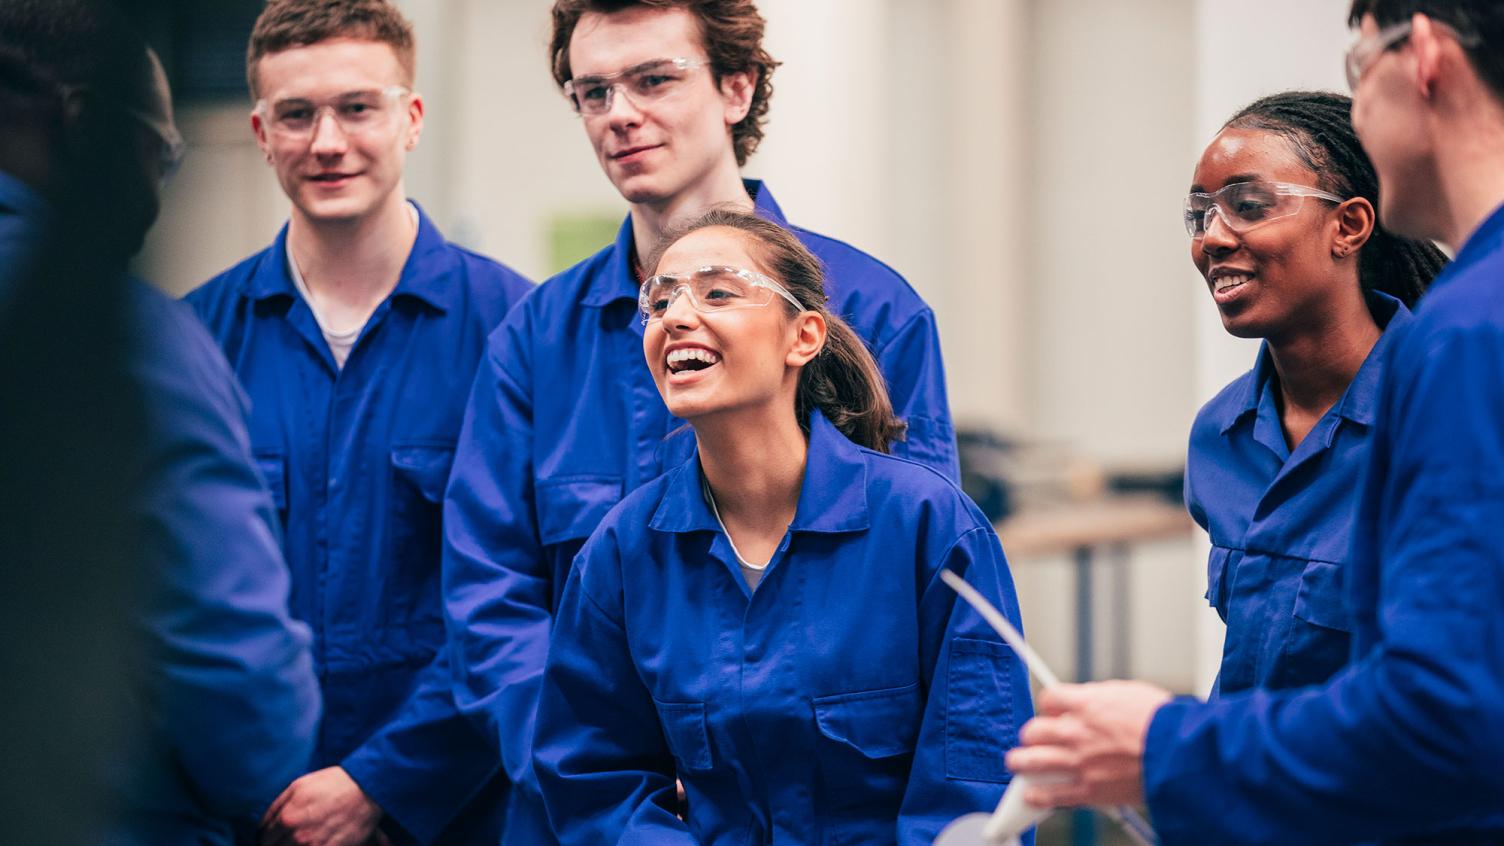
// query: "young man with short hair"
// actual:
[[565, 420], [357, 334], [1405, 744]]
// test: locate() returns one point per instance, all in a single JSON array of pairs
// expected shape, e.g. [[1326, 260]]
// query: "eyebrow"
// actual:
[[358, 92], [637, 67], [1231, 180]]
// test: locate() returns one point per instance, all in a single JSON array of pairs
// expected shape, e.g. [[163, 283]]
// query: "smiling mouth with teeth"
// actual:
[[1227, 283], [692, 358]]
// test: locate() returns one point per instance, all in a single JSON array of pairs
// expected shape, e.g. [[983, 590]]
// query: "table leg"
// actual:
[[1084, 820]]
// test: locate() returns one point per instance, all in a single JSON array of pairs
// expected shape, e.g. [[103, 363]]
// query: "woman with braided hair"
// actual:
[[1284, 228]]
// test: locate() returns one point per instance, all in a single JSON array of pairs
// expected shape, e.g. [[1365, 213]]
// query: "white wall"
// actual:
[[1112, 115]]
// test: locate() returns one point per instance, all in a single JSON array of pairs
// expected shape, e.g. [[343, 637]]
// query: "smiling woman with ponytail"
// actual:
[[766, 623]]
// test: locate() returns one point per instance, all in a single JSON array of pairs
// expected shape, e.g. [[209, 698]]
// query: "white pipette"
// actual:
[[1013, 815]]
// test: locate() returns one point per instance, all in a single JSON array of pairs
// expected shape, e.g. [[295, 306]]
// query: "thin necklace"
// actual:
[[710, 498]]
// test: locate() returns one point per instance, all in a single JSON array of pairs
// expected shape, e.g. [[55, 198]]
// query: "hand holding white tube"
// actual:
[[1013, 815]]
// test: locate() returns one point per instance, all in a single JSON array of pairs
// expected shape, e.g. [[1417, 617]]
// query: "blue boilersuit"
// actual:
[[231, 678], [565, 420], [1281, 521], [1405, 743], [357, 459], [852, 698], [228, 704]]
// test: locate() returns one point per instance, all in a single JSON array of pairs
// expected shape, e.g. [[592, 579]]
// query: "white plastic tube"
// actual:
[[1013, 815]]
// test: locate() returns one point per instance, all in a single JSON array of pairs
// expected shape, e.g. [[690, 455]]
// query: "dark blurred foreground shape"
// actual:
[[155, 689]]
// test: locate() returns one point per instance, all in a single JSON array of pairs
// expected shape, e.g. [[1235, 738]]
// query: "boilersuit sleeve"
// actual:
[[230, 674], [1408, 738], [497, 582], [605, 769], [912, 365], [428, 761], [978, 695]]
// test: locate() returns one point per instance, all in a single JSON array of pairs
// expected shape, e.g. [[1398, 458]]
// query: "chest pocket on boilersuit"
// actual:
[[1319, 637], [979, 722], [419, 473], [1218, 578], [688, 738], [570, 507], [867, 743]]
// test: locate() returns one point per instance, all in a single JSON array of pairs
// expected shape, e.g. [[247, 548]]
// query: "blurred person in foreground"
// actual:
[[357, 334], [213, 691], [1403, 745]]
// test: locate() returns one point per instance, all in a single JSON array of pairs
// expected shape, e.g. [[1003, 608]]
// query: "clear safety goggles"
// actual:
[[1245, 205], [643, 84], [356, 112], [170, 144], [1365, 51], [153, 113], [710, 289]]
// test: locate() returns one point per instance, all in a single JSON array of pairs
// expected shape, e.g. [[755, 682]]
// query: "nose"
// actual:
[[1219, 238], [328, 136], [681, 314], [622, 111]]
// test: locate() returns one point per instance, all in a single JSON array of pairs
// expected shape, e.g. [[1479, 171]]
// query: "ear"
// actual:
[[414, 119], [72, 134], [258, 128], [736, 90], [1427, 48], [809, 338], [1355, 222]]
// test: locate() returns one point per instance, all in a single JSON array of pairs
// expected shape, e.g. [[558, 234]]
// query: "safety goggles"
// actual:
[[1365, 51], [1245, 205], [356, 112], [643, 84], [153, 114], [710, 289]]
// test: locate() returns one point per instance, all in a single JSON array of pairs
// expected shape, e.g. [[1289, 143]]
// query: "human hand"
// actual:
[[1087, 745], [323, 808]]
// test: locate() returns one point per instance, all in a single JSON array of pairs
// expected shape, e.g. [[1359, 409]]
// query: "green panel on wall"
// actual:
[[574, 236]]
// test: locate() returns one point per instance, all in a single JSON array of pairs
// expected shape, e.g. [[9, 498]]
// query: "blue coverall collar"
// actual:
[[1359, 403], [619, 281], [832, 499], [421, 278], [1484, 241]]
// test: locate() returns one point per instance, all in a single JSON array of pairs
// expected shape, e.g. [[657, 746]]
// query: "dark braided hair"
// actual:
[[1318, 125]]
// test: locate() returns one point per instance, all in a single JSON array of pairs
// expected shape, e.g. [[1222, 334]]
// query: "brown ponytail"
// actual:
[[843, 380]]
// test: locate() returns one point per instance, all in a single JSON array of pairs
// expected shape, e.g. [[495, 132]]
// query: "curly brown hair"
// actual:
[[285, 24], [732, 32]]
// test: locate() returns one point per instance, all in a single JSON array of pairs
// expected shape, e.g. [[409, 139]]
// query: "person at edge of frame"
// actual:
[[357, 334], [563, 422], [217, 697], [1403, 744]]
